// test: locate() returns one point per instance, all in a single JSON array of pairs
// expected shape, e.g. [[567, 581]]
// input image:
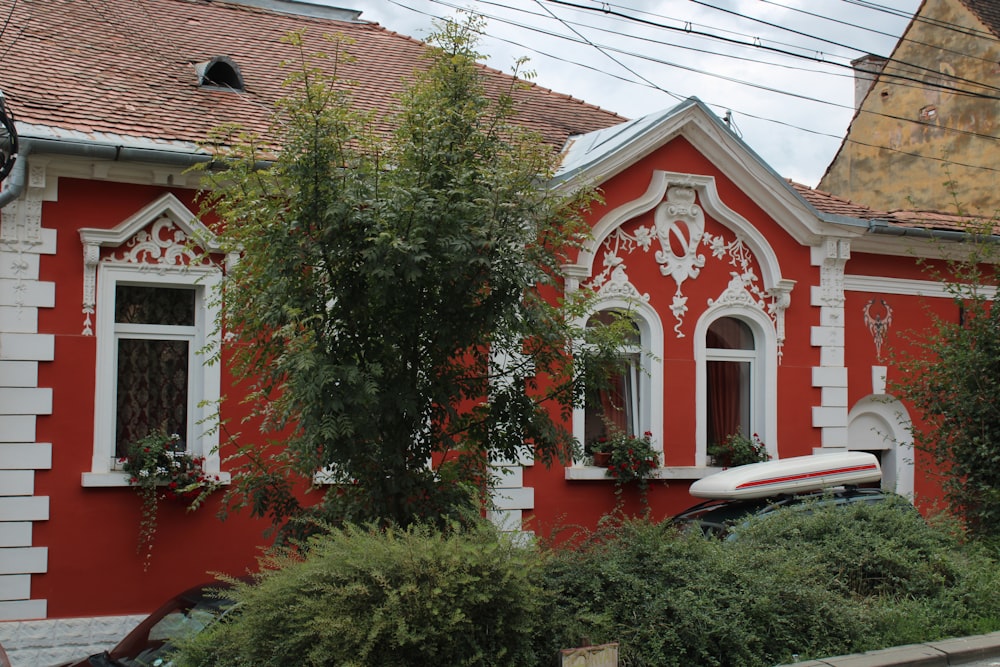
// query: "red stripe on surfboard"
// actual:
[[806, 475]]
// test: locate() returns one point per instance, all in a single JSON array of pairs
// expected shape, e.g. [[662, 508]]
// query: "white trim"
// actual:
[[764, 409], [205, 381], [651, 412], [692, 120], [592, 473], [890, 423], [904, 287], [710, 201]]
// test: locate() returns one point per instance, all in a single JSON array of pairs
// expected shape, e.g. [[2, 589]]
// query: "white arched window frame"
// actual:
[[763, 361], [650, 373]]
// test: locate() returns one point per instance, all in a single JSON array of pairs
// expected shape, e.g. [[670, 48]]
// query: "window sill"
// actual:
[[114, 479], [595, 473]]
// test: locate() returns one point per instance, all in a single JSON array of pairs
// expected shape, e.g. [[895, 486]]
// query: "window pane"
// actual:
[[728, 399], [154, 305], [152, 389], [616, 405], [729, 333]]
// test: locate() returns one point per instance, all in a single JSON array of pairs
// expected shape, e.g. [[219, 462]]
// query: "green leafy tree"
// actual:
[[396, 309], [952, 378]]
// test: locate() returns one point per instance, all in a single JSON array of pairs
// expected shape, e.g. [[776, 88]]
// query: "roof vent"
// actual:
[[219, 72]]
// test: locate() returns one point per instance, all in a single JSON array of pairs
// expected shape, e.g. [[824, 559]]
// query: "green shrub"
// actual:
[[810, 582], [385, 598], [680, 599]]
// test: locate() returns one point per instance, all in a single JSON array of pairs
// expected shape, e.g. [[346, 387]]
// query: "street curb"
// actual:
[[932, 654]]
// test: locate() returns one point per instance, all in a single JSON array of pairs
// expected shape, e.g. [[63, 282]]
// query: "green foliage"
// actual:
[[385, 598], [952, 378], [159, 467], [393, 304], [812, 583], [633, 458], [738, 450], [681, 599]]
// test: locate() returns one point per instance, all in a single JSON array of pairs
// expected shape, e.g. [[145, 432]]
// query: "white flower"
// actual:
[[143, 473], [161, 471]]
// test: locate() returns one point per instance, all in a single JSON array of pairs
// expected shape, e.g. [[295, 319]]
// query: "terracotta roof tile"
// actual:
[[988, 11], [932, 220], [826, 202], [127, 67]]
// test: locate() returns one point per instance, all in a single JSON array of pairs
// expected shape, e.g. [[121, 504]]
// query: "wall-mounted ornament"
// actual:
[[679, 232], [878, 323], [680, 223]]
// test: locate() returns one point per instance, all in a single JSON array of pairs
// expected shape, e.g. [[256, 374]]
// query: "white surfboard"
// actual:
[[791, 475]]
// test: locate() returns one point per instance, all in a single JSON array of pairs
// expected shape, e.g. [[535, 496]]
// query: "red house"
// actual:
[[760, 306]]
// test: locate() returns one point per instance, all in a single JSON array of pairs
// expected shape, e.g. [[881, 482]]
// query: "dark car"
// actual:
[[716, 518], [152, 641]]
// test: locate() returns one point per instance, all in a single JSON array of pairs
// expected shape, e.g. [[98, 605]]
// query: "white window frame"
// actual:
[[763, 370], [204, 379], [649, 372]]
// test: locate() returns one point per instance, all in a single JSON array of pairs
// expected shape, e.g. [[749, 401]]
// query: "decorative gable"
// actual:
[[163, 236], [681, 247]]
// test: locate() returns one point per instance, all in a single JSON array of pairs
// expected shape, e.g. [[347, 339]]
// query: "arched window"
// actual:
[[620, 404], [732, 372]]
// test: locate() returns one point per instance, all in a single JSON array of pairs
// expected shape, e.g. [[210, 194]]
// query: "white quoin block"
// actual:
[[24, 560], [25, 401], [829, 377], [879, 375], [25, 456], [15, 534], [28, 347], [19, 373]]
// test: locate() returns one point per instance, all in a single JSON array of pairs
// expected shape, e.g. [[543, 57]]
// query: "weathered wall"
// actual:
[[910, 139]]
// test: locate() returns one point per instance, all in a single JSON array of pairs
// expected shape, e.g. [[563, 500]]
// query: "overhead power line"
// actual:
[[760, 45]]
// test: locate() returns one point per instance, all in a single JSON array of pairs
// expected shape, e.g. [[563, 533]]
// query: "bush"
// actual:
[[806, 581], [385, 598], [810, 582], [680, 599]]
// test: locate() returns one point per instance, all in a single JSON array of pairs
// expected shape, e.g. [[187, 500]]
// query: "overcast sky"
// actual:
[[780, 67]]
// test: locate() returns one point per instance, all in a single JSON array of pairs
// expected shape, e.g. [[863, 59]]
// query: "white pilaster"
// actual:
[[831, 373]]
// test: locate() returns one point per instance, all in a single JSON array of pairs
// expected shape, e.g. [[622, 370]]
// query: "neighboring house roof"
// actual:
[[121, 68], [987, 11]]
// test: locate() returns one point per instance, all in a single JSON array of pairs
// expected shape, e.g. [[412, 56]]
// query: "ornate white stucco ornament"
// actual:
[[680, 220]]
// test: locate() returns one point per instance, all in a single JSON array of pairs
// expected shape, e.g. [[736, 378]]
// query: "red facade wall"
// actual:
[[91, 535]]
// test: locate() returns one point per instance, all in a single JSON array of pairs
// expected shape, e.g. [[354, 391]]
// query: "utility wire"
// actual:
[[748, 115], [760, 45], [895, 38], [605, 53], [917, 67], [604, 49]]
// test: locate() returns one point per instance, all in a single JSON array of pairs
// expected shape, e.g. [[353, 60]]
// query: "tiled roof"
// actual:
[[831, 204], [834, 205], [988, 11], [127, 67]]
